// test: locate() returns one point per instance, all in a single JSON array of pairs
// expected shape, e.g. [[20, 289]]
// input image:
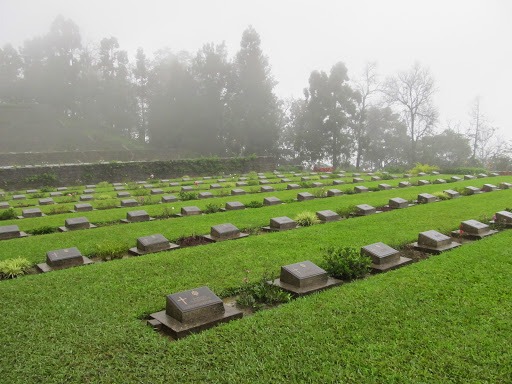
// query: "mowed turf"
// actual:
[[446, 319]]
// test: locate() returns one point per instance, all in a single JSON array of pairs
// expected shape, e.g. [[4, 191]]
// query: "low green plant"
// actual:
[[319, 193], [441, 195], [42, 230], [184, 195], [58, 209], [212, 208], [423, 168], [110, 250], [140, 192], [11, 268], [103, 184], [47, 188], [346, 211], [260, 293], [345, 263], [107, 204], [38, 195], [8, 214], [306, 219], [254, 204], [103, 197]]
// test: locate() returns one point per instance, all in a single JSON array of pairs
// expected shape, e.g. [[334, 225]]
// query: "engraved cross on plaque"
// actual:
[[184, 301]]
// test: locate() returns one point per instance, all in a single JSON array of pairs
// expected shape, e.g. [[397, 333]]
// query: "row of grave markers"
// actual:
[[197, 309]]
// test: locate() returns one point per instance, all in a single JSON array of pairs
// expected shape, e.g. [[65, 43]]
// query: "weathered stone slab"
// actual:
[[76, 223], [398, 203], [425, 198], [482, 175], [4, 205], [282, 223], [89, 191], [271, 201], [136, 216], [361, 189], [174, 184], [384, 258], [190, 211], [365, 210], [327, 216], [423, 182], [408, 175], [152, 244], [84, 207], [19, 197], [61, 189], [324, 177], [435, 173], [474, 229], [357, 180], [187, 188], [242, 179], [505, 185], [241, 184], [489, 188], [192, 311], [433, 241], [86, 197], [129, 203], [237, 192], [215, 186], [119, 189], [157, 191], [234, 206], [223, 232], [31, 212], [123, 194], [205, 195], [356, 174], [337, 182], [117, 184], [169, 199], [455, 178], [46, 201], [422, 174], [221, 180], [90, 186], [32, 191], [63, 258], [453, 194], [267, 188], [494, 174], [469, 177], [293, 186], [317, 185], [207, 178], [304, 278], [285, 180], [385, 187], [375, 178], [334, 192], [10, 232], [305, 178], [470, 190], [439, 181], [55, 194], [503, 218], [404, 184], [302, 196], [148, 186]]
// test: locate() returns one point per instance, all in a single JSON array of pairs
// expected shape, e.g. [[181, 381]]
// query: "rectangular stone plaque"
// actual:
[[9, 232], [423, 182], [470, 190], [55, 194], [317, 185], [282, 223], [215, 186], [384, 187], [505, 185], [117, 184], [357, 180], [285, 180], [32, 212], [267, 189], [119, 188], [129, 203], [271, 201], [174, 184], [157, 191], [234, 205], [455, 178], [489, 188], [468, 177], [195, 305], [365, 209], [237, 191], [136, 216], [481, 175], [19, 197], [169, 199], [293, 186], [77, 223], [152, 243], [327, 215], [303, 275], [381, 253], [89, 191], [424, 198], [304, 178], [334, 192], [474, 227], [4, 205], [404, 184], [90, 186], [46, 201], [241, 184], [453, 194], [224, 231], [433, 239], [32, 191], [190, 211], [60, 189], [504, 217], [305, 196], [205, 195], [337, 182], [263, 182], [86, 197], [187, 188], [398, 203], [361, 189], [64, 257], [123, 194], [439, 181], [83, 207]]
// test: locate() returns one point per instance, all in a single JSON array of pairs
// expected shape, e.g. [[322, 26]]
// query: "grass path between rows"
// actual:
[[446, 319]]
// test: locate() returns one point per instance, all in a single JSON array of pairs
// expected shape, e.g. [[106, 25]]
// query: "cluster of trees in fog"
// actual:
[[210, 104]]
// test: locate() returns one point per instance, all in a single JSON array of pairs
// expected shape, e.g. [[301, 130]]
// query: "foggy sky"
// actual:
[[466, 44]]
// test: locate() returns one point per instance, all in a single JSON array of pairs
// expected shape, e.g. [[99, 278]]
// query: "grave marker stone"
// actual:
[[337, 182], [223, 232], [481, 175], [385, 187], [423, 182], [433, 241], [404, 184], [187, 188], [398, 203], [193, 311], [469, 177], [422, 174], [123, 194], [215, 186], [327, 216], [55, 194], [304, 278], [361, 189], [317, 185], [174, 184], [10, 232], [357, 180], [439, 181], [205, 195], [505, 185], [234, 206], [46, 201], [241, 184], [31, 212], [473, 229], [425, 198], [85, 207], [489, 188], [452, 194], [86, 197], [271, 201], [32, 191], [152, 244], [302, 196], [137, 216], [237, 192], [119, 189], [334, 192], [455, 178], [470, 190], [375, 178], [285, 180], [324, 177], [129, 203], [267, 188], [190, 211], [4, 205], [503, 218], [89, 191], [63, 258], [365, 210], [304, 178], [75, 223], [169, 199], [19, 197], [157, 191], [293, 186], [282, 223], [60, 189], [384, 258]]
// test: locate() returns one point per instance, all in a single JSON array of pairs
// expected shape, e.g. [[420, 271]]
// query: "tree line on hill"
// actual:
[[208, 104]]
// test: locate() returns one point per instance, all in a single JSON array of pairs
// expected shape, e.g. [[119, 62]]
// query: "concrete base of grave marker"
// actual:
[[223, 232], [76, 223], [152, 244], [62, 259], [282, 223], [192, 311], [384, 258], [473, 230], [11, 232], [434, 242], [304, 278]]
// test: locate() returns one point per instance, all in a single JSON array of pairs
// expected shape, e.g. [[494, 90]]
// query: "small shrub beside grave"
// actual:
[[346, 263], [306, 219], [12, 268]]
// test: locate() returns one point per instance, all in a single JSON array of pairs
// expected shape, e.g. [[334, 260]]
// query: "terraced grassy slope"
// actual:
[[441, 320]]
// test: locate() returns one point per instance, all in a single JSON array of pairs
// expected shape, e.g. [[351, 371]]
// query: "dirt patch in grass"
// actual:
[[191, 241]]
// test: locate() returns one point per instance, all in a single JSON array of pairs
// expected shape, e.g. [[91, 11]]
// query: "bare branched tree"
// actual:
[[412, 92], [480, 133]]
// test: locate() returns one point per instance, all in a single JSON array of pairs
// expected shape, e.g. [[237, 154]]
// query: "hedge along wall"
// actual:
[[63, 175]]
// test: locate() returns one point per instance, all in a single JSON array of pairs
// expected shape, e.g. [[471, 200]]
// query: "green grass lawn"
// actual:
[[446, 319]]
